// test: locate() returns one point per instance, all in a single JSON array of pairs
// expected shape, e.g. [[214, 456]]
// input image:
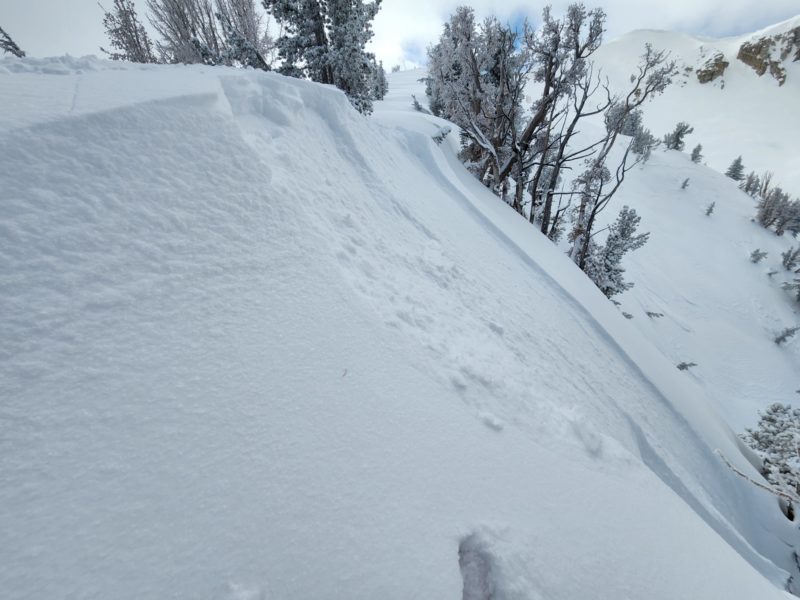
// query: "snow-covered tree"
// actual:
[[791, 258], [751, 184], [757, 255], [685, 184], [303, 43], [325, 40], [593, 187], [7, 45], [379, 85], [777, 438], [776, 209], [736, 170], [674, 140], [697, 153], [643, 143], [350, 28], [604, 265], [127, 35], [559, 52], [476, 78], [710, 209]]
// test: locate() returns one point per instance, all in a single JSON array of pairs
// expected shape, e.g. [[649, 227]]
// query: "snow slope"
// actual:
[[737, 114], [719, 309], [257, 346]]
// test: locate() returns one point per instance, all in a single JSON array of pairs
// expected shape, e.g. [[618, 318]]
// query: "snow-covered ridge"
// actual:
[[782, 39], [256, 345], [733, 110]]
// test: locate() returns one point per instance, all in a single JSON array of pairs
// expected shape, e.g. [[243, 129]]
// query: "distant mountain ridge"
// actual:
[[766, 52], [739, 93]]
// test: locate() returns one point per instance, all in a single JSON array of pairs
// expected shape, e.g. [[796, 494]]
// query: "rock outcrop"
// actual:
[[713, 68], [769, 53]]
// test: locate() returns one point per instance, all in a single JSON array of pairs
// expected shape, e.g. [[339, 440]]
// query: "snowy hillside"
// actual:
[[255, 345], [738, 112], [720, 310], [708, 303]]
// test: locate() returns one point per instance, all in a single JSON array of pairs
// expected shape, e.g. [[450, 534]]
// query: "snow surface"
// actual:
[[255, 345]]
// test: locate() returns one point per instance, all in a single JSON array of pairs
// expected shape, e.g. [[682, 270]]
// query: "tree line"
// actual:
[[320, 40], [478, 73]]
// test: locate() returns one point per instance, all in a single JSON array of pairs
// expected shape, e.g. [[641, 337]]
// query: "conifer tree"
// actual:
[[379, 85], [9, 46], [751, 184], [736, 170], [697, 153], [791, 258], [325, 40], [674, 140], [777, 439], [604, 266]]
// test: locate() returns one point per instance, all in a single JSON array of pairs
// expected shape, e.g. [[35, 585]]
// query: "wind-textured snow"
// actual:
[[255, 345]]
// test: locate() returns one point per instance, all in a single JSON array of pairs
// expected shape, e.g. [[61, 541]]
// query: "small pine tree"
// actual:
[[710, 209], [674, 140], [777, 439], [604, 266], [7, 45], [685, 184], [790, 258], [380, 85], [685, 366], [697, 153], [736, 170], [643, 143], [752, 184], [757, 255]]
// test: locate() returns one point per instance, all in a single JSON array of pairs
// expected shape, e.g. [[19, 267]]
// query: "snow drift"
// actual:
[[255, 345]]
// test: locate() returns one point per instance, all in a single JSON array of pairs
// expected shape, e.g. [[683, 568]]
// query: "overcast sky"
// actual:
[[404, 28]]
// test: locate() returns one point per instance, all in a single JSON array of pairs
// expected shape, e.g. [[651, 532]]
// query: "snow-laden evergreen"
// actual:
[[675, 139], [604, 264], [325, 41]]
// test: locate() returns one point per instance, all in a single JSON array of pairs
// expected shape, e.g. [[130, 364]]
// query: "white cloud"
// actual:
[[404, 28]]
